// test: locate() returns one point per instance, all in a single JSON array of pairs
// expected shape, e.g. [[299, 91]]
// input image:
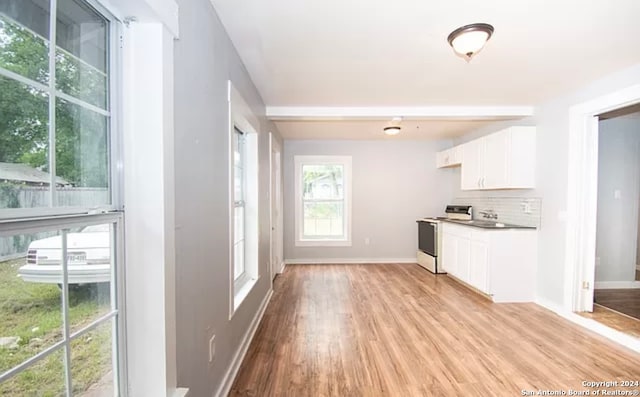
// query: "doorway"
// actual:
[[618, 212], [277, 223]]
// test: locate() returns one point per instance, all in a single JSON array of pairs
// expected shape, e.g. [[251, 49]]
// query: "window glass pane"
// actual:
[[24, 33], [82, 156], [82, 39], [92, 363], [44, 378], [24, 146], [323, 219], [89, 270], [238, 267], [238, 229], [323, 181], [30, 298], [237, 184]]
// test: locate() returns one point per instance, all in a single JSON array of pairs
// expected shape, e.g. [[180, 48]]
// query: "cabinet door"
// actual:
[[497, 150], [449, 255], [479, 269], [463, 261], [472, 165]]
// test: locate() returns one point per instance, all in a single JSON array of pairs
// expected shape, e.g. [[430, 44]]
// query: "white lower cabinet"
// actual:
[[500, 263], [478, 273]]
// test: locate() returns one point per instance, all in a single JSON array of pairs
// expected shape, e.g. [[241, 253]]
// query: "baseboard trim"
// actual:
[[616, 284], [329, 261], [282, 266], [181, 392], [614, 335], [232, 372]]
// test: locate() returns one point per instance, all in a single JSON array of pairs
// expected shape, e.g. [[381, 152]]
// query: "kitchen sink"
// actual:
[[479, 223]]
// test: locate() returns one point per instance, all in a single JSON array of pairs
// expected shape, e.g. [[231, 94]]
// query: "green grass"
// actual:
[[33, 312]]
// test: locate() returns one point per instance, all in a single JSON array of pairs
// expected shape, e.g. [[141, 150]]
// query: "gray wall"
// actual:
[[618, 172], [552, 121], [394, 183], [204, 60]]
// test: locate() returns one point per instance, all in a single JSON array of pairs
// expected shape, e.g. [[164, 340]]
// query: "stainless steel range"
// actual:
[[430, 236]]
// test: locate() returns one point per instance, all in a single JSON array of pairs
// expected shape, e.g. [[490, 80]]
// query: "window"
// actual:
[[60, 213], [239, 159], [243, 195], [323, 202]]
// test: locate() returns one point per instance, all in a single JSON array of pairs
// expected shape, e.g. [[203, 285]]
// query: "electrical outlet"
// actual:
[[212, 348]]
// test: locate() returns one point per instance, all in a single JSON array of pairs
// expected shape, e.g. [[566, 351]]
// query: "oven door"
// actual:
[[428, 238]]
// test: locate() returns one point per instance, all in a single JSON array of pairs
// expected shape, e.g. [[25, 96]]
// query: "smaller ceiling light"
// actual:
[[394, 127], [468, 40]]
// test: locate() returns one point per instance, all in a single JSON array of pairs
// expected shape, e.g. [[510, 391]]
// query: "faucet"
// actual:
[[489, 214]]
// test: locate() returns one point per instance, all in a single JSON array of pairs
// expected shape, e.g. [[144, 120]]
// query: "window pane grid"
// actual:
[[71, 350], [323, 200], [66, 77]]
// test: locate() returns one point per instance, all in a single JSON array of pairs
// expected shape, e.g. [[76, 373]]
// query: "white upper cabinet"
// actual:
[[503, 160], [473, 165], [449, 158]]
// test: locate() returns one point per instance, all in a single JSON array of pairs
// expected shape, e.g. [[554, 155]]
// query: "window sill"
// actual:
[[323, 243], [242, 293]]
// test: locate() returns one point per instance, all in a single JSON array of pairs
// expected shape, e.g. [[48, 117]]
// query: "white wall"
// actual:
[[205, 60], [618, 195], [394, 183], [552, 121]]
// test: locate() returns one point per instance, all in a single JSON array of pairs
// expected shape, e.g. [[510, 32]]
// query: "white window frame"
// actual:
[[32, 220], [299, 163], [242, 118]]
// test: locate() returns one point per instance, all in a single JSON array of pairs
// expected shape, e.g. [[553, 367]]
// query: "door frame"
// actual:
[[582, 195], [275, 150]]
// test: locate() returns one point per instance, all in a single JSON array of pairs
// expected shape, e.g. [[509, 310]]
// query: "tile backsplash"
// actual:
[[509, 209]]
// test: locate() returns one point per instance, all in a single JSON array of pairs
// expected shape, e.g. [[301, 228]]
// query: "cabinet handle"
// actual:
[[479, 182], [482, 181]]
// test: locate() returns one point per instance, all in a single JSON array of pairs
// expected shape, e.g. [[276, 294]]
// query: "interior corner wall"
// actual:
[[552, 170], [394, 183], [618, 195], [205, 59]]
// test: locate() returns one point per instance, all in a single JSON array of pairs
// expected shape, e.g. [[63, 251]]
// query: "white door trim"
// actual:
[[271, 274], [582, 195], [275, 224]]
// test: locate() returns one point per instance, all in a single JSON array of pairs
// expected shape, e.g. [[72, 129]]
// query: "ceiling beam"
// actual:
[[407, 113]]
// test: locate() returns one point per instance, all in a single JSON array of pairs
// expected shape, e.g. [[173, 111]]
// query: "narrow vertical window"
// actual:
[[239, 168]]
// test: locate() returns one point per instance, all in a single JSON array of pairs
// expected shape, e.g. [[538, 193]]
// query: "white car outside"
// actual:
[[88, 258]]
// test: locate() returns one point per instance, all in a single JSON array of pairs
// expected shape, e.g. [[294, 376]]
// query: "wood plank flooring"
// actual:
[[625, 301], [615, 320], [398, 330]]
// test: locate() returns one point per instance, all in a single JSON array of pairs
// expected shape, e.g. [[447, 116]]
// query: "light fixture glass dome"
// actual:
[[392, 130], [468, 40]]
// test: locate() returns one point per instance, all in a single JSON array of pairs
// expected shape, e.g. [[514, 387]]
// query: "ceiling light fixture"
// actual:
[[394, 127], [468, 40]]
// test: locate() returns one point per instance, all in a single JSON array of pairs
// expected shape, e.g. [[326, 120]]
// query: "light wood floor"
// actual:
[[625, 301], [397, 330], [615, 320]]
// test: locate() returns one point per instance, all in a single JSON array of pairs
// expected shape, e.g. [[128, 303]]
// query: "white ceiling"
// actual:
[[395, 53]]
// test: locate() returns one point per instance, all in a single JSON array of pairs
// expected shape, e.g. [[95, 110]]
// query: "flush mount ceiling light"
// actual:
[[394, 127], [468, 40]]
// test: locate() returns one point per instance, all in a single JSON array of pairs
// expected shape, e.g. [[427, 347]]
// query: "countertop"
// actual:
[[479, 223]]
